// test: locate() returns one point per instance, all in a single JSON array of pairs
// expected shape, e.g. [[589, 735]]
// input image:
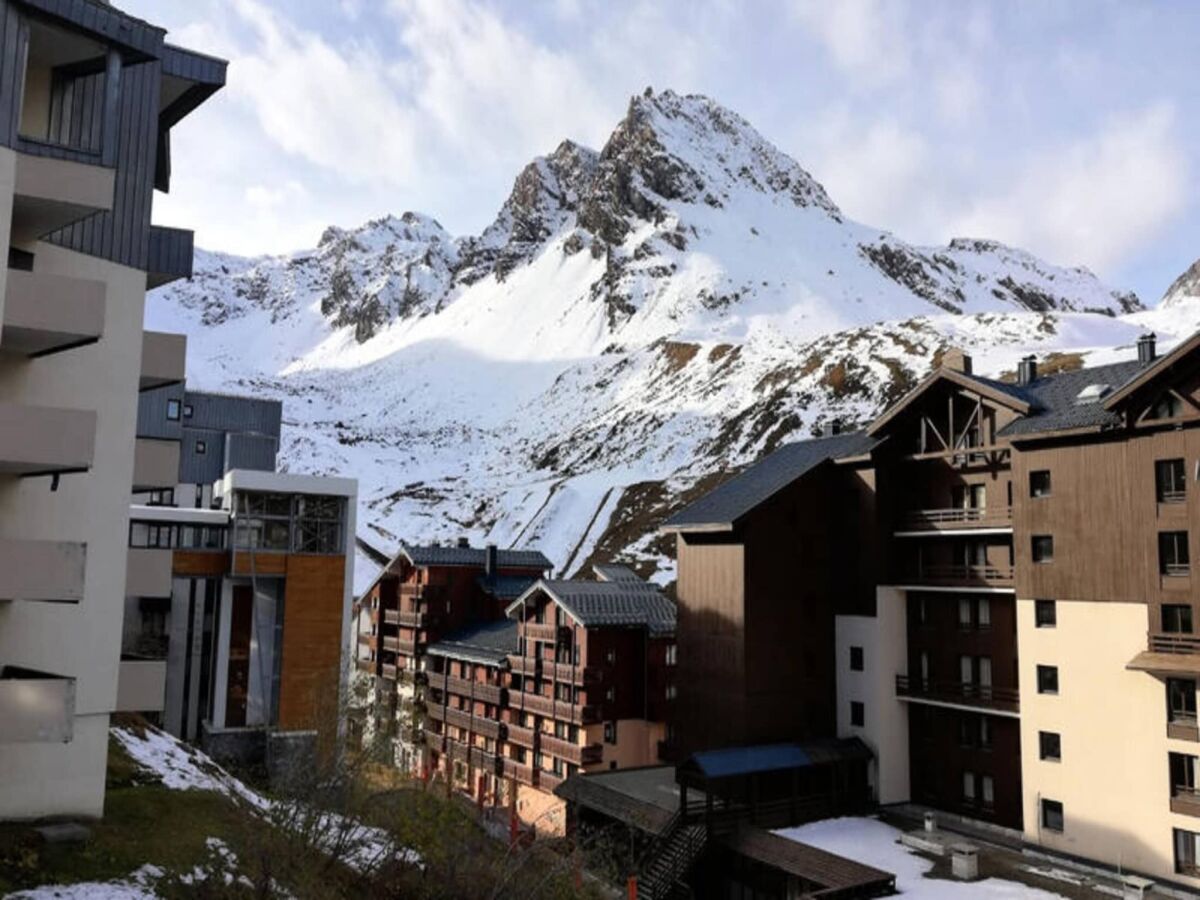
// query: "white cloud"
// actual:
[[1095, 200], [865, 38]]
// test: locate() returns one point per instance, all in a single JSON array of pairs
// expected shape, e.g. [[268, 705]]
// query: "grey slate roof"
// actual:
[[505, 587], [610, 572], [611, 603], [474, 556], [746, 490], [483, 642], [1052, 400]]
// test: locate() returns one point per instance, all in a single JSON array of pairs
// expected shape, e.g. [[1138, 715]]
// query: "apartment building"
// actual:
[[1026, 655], [88, 97], [239, 591], [424, 594]]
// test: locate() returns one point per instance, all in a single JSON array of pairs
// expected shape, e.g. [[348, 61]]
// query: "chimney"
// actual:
[[957, 361], [1146, 348], [1027, 370], [835, 427], [490, 557], [464, 543]]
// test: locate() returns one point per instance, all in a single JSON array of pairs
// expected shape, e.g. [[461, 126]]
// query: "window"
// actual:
[[1052, 815], [163, 497], [858, 714], [610, 732], [201, 448], [1043, 548], [172, 410], [611, 694], [856, 659], [983, 613], [985, 733], [1169, 481], [1181, 700], [1045, 613], [671, 692], [1047, 679], [672, 654], [1050, 745], [1176, 618], [187, 410], [1187, 850], [964, 613], [1039, 483], [610, 657], [318, 523], [1183, 774], [1168, 406], [1173, 553], [968, 787]]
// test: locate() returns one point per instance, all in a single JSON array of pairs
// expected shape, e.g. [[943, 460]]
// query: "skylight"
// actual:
[[1092, 393]]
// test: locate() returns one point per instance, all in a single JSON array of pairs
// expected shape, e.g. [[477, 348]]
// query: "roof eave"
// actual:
[[696, 527], [1152, 371], [958, 378]]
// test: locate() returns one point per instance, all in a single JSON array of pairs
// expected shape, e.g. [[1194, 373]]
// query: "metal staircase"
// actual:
[[670, 857]]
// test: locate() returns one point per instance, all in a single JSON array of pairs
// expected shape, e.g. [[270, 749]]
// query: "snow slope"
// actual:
[[676, 303]]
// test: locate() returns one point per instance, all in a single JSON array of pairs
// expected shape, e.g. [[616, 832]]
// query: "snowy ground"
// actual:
[[875, 843]]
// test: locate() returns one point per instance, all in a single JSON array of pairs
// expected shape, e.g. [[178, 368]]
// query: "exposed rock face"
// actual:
[[1185, 287]]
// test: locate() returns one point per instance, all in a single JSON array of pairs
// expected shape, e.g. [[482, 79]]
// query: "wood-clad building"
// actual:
[[1007, 567]]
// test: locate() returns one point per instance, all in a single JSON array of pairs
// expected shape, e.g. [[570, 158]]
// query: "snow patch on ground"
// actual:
[[876, 843]]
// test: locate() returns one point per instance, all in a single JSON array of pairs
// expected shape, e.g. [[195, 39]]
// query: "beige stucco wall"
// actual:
[[1113, 779], [884, 639], [637, 743], [83, 640], [542, 810]]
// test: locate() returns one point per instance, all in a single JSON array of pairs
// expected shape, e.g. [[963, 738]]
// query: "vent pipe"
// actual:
[[490, 557], [464, 543], [1027, 370], [1146, 347]]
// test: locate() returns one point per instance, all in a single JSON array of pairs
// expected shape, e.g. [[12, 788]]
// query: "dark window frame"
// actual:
[[1173, 555], [1170, 480], [1053, 815], [1050, 746], [173, 409], [1046, 552], [858, 714], [1046, 674], [857, 659], [1177, 618], [1040, 617], [1040, 484]]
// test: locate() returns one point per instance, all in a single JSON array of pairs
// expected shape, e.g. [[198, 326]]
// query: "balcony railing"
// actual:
[[388, 671], [962, 576], [524, 665], [575, 674], [1176, 570], [407, 618], [462, 719], [522, 737], [959, 693], [488, 693], [554, 709], [548, 781], [1185, 800], [1172, 497], [954, 518], [1184, 644], [365, 665], [538, 631], [572, 753], [368, 640], [520, 772], [1182, 727]]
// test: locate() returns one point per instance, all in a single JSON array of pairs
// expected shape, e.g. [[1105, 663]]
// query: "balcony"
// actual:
[[1185, 800], [366, 639], [525, 665], [388, 672], [537, 631], [554, 709], [420, 591], [148, 572], [35, 707], [46, 314], [42, 570], [1181, 644], [957, 693], [488, 693], [164, 359], [365, 665], [155, 464], [520, 772], [44, 440], [961, 576], [486, 761], [572, 753], [435, 742], [399, 645], [170, 255], [406, 618], [141, 685], [548, 781], [522, 737], [935, 521], [574, 674], [50, 194]]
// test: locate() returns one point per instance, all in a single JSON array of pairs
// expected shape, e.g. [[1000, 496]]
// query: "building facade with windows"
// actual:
[[240, 579], [1022, 651], [88, 98]]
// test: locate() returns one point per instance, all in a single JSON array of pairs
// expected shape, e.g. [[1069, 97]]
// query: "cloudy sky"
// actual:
[[1068, 128]]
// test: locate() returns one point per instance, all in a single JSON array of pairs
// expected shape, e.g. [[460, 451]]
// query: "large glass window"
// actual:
[[263, 521], [319, 524], [1173, 552], [1176, 618], [1181, 700]]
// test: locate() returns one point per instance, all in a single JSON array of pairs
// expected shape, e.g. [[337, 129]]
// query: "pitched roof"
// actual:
[[997, 391], [1054, 400], [505, 587], [609, 603], [437, 555], [610, 572], [484, 642], [721, 508]]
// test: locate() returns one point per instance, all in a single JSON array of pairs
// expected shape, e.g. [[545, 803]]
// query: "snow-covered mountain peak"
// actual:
[[1185, 288]]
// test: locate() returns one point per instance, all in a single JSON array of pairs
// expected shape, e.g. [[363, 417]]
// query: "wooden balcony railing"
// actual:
[[1182, 727], [554, 709], [975, 517], [524, 665], [520, 772], [368, 640], [421, 591], [573, 673], [962, 576], [1186, 644], [1176, 570], [522, 737], [572, 753], [537, 631], [462, 719], [365, 665], [1185, 800], [959, 693], [488, 693], [548, 781], [389, 672], [435, 741]]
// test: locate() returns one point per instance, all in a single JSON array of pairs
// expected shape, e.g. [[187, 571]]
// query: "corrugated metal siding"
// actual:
[[152, 413], [201, 468], [220, 412], [250, 451], [105, 21], [13, 43], [170, 253]]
